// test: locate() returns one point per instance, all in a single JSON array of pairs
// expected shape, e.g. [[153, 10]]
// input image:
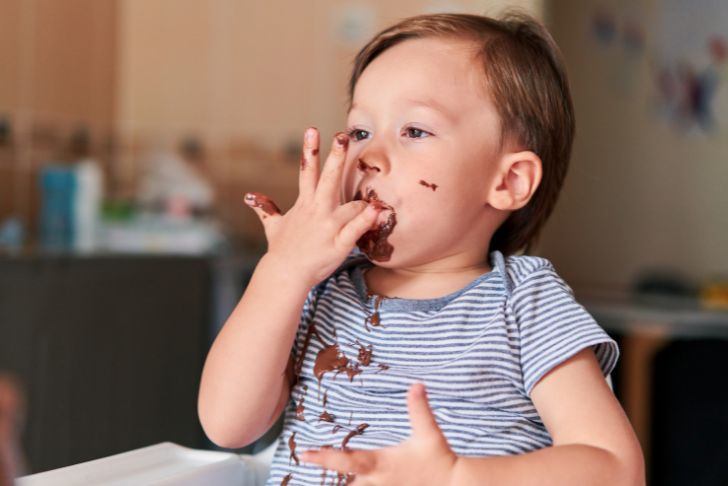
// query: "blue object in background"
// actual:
[[11, 235], [58, 188]]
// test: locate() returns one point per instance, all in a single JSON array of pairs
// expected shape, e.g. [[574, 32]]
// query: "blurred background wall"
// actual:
[[647, 185], [242, 79]]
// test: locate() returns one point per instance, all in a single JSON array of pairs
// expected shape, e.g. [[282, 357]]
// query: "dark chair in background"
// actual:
[[689, 414], [109, 351]]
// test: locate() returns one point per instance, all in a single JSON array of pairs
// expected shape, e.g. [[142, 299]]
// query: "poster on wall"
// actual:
[[685, 48], [691, 50]]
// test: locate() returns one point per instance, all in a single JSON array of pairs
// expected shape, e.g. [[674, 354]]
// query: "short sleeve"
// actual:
[[295, 360], [553, 327], [307, 313]]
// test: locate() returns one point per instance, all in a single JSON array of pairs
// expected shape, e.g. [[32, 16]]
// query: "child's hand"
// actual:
[[424, 458], [318, 232]]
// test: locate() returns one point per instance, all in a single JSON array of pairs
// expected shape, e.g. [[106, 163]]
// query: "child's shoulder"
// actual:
[[520, 270]]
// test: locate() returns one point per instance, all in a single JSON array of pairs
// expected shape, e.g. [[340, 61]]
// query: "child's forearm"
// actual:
[[243, 387], [576, 464]]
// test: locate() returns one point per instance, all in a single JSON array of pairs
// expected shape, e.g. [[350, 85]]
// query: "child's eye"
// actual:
[[413, 132], [357, 134]]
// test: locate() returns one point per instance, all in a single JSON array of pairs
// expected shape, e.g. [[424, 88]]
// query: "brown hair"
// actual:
[[526, 78]]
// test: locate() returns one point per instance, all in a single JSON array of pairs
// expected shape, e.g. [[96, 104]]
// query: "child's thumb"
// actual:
[[424, 425]]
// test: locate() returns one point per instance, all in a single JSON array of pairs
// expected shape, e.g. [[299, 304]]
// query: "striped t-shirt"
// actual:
[[479, 351]]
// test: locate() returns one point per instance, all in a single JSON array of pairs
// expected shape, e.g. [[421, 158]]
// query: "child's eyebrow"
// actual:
[[426, 102]]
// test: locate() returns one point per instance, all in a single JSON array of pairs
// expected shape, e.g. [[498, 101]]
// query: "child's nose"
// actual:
[[363, 166], [371, 162]]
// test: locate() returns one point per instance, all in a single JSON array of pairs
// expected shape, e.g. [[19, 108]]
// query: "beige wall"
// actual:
[[247, 78], [640, 193], [225, 67], [57, 73]]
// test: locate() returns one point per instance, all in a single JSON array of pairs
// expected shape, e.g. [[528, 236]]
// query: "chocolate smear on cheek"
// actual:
[[258, 200], [427, 184]]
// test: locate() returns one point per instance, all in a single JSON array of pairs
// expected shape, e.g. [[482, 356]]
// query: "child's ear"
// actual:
[[517, 178]]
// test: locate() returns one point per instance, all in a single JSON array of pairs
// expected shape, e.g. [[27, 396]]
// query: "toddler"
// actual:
[[394, 320]]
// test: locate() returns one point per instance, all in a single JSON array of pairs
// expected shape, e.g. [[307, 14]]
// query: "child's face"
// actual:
[[425, 137]]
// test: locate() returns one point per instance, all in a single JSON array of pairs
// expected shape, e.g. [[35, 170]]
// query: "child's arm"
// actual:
[[593, 442], [243, 387]]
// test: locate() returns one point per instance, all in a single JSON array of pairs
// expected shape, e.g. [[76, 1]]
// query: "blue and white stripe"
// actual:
[[479, 351]]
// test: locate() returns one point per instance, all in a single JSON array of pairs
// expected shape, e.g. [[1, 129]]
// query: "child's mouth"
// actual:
[[374, 242]]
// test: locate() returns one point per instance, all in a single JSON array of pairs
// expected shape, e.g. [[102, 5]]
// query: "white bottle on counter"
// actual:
[[87, 205]]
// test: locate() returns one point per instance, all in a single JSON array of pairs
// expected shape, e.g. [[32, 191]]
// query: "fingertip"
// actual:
[[341, 140], [374, 209], [260, 201], [418, 391], [417, 396]]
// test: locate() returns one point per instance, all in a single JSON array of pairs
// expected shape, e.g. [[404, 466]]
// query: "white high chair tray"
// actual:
[[161, 464]]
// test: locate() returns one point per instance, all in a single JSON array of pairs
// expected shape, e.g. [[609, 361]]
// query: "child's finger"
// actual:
[[357, 462], [354, 229], [346, 212], [309, 173], [263, 206], [424, 425], [329, 185]]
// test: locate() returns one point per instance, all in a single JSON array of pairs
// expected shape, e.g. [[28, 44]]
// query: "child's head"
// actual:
[[463, 125]]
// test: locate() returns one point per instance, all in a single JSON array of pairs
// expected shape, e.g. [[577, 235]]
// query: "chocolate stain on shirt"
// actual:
[[330, 358], [296, 365], [365, 354], [373, 319], [326, 416], [286, 479], [359, 430], [299, 406], [292, 447]]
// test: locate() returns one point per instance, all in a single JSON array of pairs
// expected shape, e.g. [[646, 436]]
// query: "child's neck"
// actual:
[[423, 282]]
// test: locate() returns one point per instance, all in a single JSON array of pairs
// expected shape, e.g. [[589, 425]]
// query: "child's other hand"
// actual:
[[318, 232], [424, 458]]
